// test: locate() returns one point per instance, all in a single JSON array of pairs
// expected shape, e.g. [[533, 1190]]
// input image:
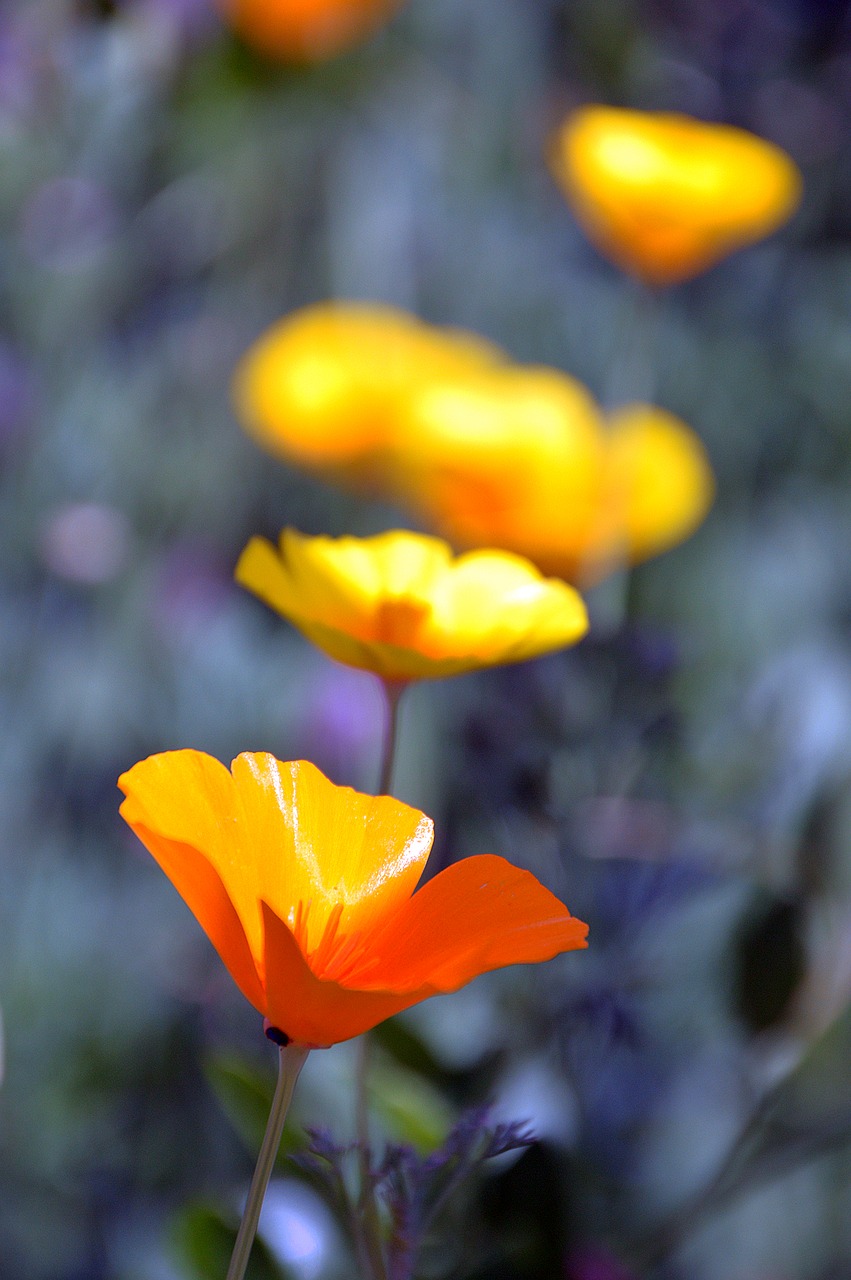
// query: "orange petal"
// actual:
[[306, 30], [480, 914], [309, 1010], [202, 890]]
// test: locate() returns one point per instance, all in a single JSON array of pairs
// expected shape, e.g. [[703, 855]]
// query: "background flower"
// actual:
[[326, 387], [666, 196], [524, 459], [307, 30]]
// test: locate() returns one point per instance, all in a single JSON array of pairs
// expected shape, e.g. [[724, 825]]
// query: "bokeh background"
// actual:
[[681, 779]]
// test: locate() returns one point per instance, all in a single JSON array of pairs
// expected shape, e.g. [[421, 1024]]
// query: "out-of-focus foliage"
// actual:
[[167, 195]]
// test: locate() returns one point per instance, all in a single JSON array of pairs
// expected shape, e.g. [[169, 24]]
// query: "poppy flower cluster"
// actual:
[[489, 453], [325, 387], [665, 196]]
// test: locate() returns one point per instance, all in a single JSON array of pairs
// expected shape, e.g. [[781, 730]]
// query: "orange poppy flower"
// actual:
[[523, 459], [323, 387], [307, 30], [666, 196], [305, 890], [400, 605]]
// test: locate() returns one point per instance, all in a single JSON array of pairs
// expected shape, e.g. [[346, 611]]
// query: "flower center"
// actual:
[[399, 621]]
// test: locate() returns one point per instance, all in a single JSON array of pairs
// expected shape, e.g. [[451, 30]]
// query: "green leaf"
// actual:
[[411, 1110], [245, 1095], [203, 1240]]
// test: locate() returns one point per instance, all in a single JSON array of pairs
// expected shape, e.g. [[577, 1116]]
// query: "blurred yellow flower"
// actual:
[[400, 605], [323, 386], [666, 196], [306, 30], [660, 480], [523, 459]]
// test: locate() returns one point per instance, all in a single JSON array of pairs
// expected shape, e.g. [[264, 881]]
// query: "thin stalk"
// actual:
[[367, 1218], [632, 379], [367, 1221], [392, 697], [290, 1062]]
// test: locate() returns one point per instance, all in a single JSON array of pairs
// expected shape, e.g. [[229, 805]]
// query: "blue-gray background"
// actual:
[[681, 779]]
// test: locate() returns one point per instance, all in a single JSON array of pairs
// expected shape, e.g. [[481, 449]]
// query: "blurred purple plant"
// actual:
[[411, 1190]]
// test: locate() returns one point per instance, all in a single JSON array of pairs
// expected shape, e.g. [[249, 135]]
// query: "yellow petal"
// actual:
[[536, 614], [662, 474], [324, 386]]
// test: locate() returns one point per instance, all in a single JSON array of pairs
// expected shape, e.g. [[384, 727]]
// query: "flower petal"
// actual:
[[666, 196], [307, 1009], [324, 845], [151, 801], [662, 475], [480, 914], [536, 614], [283, 833]]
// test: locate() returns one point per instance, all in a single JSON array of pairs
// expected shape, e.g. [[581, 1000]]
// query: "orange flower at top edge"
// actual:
[[666, 196], [401, 605], [323, 387], [305, 890], [306, 30]]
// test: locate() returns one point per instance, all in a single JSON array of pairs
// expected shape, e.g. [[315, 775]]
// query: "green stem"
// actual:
[[290, 1062], [392, 697]]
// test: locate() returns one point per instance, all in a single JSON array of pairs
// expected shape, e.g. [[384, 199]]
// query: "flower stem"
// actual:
[[290, 1062], [392, 696]]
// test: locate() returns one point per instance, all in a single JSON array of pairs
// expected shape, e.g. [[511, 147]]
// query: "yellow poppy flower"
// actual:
[[323, 386], [305, 890], [523, 459], [666, 196], [302, 31], [398, 604]]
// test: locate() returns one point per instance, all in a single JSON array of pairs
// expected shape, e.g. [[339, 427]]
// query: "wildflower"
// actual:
[[666, 196], [661, 483], [523, 459], [323, 386], [304, 31], [305, 890], [400, 605]]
